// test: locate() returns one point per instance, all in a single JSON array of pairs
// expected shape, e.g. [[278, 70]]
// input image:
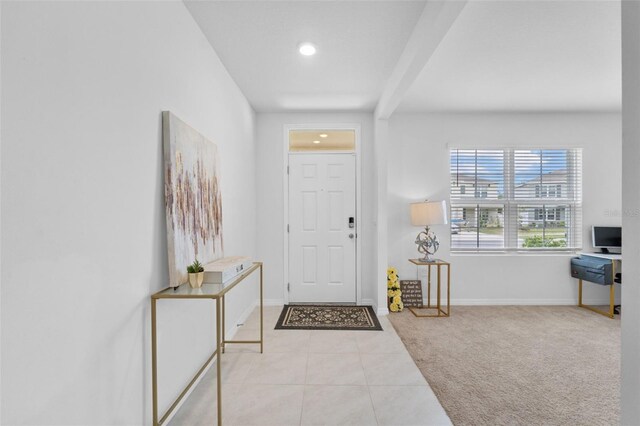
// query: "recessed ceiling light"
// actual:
[[307, 49], [316, 141], [323, 135]]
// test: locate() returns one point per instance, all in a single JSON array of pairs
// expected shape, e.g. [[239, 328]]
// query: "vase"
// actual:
[[196, 279]]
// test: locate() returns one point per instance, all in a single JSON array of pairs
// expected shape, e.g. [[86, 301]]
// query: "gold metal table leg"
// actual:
[[612, 297], [428, 286], [154, 363], [580, 292], [438, 291], [448, 289], [222, 313], [261, 312], [219, 360]]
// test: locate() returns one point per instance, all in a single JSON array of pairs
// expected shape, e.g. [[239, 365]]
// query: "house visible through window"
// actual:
[[516, 199], [548, 191]]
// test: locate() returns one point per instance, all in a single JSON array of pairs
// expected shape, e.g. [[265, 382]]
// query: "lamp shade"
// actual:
[[427, 213]]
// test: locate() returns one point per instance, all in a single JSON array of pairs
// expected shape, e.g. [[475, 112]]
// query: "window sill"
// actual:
[[506, 253]]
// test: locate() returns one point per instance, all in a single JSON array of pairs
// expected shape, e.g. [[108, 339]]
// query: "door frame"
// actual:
[[285, 185]]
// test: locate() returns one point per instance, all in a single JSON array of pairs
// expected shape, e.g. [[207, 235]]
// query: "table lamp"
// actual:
[[427, 213]]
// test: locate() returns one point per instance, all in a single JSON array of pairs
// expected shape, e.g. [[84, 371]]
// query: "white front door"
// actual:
[[322, 245]]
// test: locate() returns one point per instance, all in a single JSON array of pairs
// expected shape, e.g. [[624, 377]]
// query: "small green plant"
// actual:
[[537, 241], [195, 267]]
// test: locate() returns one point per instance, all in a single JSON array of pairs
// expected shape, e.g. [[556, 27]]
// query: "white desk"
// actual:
[[610, 256], [616, 260]]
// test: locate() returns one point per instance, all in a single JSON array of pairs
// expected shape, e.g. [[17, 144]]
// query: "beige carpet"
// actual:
[[519, 365]]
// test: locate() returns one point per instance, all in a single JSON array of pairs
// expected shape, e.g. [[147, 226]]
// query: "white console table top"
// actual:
[[610, 256]]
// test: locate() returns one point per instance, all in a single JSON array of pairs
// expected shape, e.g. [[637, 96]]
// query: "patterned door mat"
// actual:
[[327, 317]]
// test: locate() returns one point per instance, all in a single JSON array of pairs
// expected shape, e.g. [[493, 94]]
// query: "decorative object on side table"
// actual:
[[393, 291], [222, 270], [427, 213], [411, 293], [196, 274]]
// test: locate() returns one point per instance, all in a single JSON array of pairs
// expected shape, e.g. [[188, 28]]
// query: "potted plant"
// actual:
[[196, 274]]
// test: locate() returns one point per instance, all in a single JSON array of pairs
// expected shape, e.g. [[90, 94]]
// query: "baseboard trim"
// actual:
[[369, 302], [230, 332], [521, 302], [280, 302], [374, 305]]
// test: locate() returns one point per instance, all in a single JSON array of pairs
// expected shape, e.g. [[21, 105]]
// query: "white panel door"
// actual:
[[322, 246]]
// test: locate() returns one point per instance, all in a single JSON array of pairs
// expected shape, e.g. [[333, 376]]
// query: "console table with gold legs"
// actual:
[[615, 260], [215, 292], [419, 312]]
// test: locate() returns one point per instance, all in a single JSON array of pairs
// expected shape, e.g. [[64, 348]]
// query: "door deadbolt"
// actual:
[[352, 223]]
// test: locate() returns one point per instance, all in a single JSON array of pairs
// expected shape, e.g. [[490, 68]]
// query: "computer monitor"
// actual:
[[606, 238]]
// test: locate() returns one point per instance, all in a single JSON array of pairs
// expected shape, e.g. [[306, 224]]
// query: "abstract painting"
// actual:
[[192, 197]]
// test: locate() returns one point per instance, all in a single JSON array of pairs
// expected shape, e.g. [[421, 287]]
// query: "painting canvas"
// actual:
[[192, 197]]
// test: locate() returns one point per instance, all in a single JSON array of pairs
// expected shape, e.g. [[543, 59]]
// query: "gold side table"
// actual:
[[420, 312], [215, 292]]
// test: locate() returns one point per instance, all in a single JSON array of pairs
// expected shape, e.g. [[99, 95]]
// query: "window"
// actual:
[[322, 140], [548, 191], [516, 199]]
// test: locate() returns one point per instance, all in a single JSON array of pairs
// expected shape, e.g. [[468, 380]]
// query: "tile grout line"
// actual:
[[372, 348], [375, 414], [306, 374], [304, 392], [373, 407]]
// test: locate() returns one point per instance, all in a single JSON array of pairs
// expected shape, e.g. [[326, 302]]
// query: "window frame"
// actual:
[[571, 205]]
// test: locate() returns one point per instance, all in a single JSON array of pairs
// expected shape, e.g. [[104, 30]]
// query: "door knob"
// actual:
[[351, 236]]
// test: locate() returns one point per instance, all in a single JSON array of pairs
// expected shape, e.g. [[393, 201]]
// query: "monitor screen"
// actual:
[[607, 236]]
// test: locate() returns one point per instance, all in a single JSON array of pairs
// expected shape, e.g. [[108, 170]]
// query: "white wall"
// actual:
[[270, 168], [630, 389], [0, 214], [419, 169], [83, 243], [381, 197]]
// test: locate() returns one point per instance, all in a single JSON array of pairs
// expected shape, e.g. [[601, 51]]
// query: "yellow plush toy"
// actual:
[[393, 291]]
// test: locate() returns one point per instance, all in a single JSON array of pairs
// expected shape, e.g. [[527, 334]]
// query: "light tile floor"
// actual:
[[309, 377]]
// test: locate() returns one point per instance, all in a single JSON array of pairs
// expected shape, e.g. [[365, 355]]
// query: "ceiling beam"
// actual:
[[434, 23]]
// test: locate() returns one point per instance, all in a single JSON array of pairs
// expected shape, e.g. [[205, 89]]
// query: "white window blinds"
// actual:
[[516, 199]]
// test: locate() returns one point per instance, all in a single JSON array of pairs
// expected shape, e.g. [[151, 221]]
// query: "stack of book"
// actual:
[[222, 270]]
